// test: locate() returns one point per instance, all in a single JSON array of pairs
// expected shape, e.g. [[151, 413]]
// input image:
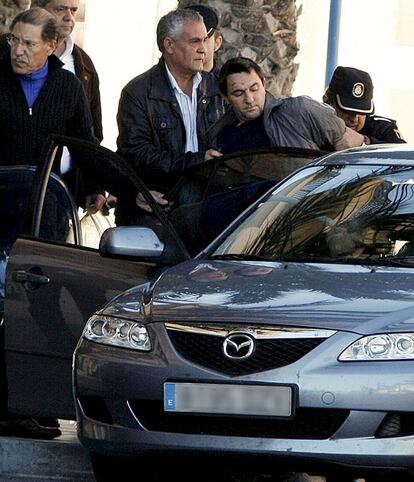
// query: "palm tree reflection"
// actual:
[[328, 216]]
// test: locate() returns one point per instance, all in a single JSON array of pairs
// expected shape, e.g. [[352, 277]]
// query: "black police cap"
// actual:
[[209, 16], [352, 90]]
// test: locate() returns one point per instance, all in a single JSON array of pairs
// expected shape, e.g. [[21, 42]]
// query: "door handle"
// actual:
[[31, 277]]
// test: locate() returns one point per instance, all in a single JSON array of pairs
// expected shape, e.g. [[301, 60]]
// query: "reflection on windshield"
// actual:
[[330, 213]]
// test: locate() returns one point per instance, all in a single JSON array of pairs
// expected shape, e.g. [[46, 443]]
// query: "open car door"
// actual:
[[57, 275], [226, 186]]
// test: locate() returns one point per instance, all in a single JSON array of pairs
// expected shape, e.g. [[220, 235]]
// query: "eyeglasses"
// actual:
[[13, 41]]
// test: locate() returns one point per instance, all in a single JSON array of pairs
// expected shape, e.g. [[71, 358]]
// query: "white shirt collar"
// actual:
[[69, 48], [197, 78]]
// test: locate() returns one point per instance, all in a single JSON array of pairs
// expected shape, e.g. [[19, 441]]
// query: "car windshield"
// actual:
[[351, 213]]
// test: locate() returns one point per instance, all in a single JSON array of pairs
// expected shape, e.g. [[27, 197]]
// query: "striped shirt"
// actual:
[[188, 107]]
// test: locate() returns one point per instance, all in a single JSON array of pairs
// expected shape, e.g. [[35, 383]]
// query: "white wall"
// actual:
[[376, 36], [312, 37], [120, 38]]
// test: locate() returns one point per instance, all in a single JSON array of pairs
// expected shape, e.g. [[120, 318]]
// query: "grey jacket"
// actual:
[[294, 122], [151, 130]]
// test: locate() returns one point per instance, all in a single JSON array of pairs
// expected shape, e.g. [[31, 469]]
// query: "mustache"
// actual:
[[20, 59]]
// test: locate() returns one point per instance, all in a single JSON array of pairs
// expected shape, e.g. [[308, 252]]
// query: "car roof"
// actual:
[[379, 154]]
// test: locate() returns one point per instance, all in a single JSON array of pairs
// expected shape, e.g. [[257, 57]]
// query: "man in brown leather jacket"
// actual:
[[74, 57]]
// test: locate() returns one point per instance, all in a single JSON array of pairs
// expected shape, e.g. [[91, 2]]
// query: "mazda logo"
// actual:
[[238, 346]]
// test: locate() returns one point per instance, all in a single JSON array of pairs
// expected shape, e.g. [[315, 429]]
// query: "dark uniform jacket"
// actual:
[[151, 130], [86, 73], [381, 130]]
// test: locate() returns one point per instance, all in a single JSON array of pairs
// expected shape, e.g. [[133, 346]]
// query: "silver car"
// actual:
[[289, 341]]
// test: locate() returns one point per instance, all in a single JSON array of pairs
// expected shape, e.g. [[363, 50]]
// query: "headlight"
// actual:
[[395, 346], [118, 332]]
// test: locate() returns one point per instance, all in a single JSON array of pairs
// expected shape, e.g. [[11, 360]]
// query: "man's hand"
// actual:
[[349, 139], [158, 198], [110, 202], [211, 154], [94, 203]]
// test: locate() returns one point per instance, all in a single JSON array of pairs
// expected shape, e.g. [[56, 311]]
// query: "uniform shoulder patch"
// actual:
[[398, 134], [386, 119]]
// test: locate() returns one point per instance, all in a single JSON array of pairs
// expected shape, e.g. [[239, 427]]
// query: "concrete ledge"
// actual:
[[63, 458]]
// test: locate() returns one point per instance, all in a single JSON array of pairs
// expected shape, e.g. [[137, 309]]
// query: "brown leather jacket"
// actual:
[[86, 73]]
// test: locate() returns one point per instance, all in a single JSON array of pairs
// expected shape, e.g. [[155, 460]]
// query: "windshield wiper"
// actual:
[[241, 256], [406, 262], [400, 262]]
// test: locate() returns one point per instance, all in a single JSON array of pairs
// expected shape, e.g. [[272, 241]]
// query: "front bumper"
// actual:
[[348, 414], [366, 452]]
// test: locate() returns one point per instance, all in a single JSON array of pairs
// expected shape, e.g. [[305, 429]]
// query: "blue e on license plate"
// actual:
[[228, 399]]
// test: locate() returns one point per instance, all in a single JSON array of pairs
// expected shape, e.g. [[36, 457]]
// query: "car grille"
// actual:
[[309, 423], [96, 408], [275, 348], [396, 424]]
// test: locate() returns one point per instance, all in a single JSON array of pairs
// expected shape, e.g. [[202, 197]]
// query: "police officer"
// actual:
[[350, 94]]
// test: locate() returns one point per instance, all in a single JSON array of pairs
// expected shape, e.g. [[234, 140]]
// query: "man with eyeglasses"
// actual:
[[74, 58], [37, 98], [164, 114]]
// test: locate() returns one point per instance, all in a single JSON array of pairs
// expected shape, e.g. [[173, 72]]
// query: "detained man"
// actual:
[[258, 120]]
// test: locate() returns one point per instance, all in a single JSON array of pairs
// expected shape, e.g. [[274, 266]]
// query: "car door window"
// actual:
[[228, 185], [61, 216]]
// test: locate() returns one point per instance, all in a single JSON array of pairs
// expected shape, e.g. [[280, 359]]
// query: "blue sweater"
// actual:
[[33, 84]]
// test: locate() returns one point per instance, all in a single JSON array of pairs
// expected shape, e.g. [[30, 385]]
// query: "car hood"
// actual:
[[357, 298]]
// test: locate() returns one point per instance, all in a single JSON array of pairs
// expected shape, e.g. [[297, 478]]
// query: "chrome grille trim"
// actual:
[[258, 332]]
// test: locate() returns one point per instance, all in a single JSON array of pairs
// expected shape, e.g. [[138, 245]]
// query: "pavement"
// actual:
[[62, 459]]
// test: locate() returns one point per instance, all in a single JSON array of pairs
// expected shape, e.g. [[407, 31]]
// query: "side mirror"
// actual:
[[131, 241]]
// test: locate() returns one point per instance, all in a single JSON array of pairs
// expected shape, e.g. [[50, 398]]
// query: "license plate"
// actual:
[[228, 399]]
